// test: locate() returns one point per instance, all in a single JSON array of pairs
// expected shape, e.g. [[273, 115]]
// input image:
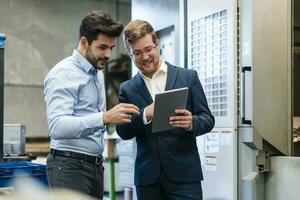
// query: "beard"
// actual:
[[94, 61], [150, 65]]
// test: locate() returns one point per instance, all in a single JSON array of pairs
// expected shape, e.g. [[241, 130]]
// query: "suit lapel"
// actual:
[[171, 77], [142, 88]]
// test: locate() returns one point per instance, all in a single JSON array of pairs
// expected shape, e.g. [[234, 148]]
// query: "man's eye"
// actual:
[[148, 49], [103, 48], [137, 53]]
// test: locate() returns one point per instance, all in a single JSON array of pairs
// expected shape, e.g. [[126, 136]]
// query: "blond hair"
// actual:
[[137, 29]]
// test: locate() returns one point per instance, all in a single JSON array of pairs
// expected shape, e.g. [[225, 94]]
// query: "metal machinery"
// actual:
[[241, 51], [12, 144], [244, 68], [2, 39]]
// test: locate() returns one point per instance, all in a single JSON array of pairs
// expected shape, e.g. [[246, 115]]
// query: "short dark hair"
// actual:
[[97, 22]]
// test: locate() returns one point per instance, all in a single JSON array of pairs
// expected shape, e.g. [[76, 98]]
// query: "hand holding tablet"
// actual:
[[165, 105]]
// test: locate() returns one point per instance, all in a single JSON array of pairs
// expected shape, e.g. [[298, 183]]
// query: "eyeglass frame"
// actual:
[[145, 51]]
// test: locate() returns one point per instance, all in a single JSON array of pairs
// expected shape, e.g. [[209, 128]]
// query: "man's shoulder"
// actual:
[[64, 70], [131, 84], [60, 65], [187, 71], [181, 69], [127, 84]]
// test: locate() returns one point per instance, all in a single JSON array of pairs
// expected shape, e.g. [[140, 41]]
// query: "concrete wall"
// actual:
[[39, 34]]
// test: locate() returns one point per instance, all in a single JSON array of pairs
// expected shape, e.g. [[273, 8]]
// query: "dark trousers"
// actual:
[[166, 189], [75, 174]]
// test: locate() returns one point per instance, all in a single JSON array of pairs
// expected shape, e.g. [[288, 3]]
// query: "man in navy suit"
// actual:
[[167, 164]]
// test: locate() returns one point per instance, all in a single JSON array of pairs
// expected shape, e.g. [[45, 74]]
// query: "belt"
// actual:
[[91, 159]]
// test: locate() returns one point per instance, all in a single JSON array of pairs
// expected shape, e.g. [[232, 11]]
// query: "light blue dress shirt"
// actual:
[[75, 98]]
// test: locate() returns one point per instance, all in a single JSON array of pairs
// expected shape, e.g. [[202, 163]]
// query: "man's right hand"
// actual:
[[120, 114], [149, 112]]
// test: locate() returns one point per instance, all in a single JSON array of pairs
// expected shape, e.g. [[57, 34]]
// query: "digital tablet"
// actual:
[[165, 105]]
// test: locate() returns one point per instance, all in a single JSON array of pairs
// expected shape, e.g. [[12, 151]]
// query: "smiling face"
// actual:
[[99, 51], [145, 54]]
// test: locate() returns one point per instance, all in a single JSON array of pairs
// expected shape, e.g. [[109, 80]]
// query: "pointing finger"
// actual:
[[131, 106]]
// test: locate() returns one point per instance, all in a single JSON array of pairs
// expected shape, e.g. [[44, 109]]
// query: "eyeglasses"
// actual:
[[146, 51]]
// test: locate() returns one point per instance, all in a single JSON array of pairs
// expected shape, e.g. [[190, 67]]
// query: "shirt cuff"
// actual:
[[145, 118], [95, 120]]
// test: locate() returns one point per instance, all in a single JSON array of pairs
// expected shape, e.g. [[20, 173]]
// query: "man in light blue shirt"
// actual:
[[76, 108]]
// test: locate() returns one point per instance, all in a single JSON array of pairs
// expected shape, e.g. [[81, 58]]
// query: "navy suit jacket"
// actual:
[[175, 151]]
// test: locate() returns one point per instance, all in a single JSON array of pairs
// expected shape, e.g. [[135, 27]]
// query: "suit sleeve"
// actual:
[[136, 127], [203, 120]]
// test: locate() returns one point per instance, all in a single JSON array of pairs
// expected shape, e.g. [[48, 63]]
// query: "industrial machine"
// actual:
[[14, 140], [241, 51], [232, 46], [2, 43]]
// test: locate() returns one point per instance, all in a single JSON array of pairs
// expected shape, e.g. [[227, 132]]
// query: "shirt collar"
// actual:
[[84, 64], [163, 68]]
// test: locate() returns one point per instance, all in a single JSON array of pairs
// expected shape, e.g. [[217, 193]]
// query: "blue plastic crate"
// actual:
[[11, 170]]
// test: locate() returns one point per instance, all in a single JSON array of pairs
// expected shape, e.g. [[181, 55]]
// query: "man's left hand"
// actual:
[[182, 119]]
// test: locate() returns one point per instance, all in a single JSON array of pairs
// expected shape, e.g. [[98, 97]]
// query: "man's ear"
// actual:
[[84, 42], [158, 45]]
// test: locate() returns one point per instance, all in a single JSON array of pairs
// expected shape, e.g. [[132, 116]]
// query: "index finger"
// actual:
[[129, 105], [131, 111]]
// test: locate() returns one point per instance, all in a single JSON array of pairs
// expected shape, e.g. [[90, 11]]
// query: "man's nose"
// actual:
[[145, 56], [108, 53]]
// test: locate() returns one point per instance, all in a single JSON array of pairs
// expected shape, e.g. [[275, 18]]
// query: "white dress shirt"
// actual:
[[156, 84]]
